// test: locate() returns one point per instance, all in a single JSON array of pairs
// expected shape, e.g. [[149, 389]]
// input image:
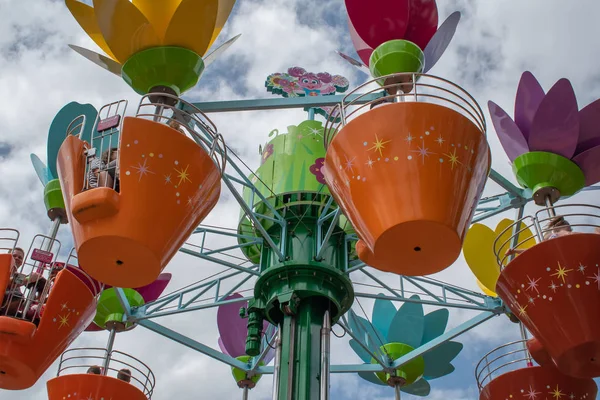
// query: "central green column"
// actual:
[[301, 352], [296, 292]]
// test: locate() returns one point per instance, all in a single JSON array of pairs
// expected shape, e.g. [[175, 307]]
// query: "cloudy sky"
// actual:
[[495, 42]]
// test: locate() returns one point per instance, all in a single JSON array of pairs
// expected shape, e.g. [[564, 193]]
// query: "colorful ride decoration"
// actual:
[[156, 46], [33, 338], [480, 254], [71, 119], [507, 373], [109, 312], [114, 231], [426, 153], [554, 148], [75, 382], [232, 339], [290, 174], [395, 333], [299, 83], [554, 290], [398, 36]]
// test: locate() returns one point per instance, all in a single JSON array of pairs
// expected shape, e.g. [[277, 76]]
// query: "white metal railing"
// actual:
[[406, 87], [79, 360], [506, 358], [77, 126], [31, 281], [180, 119], [580, 218], [8, 239]]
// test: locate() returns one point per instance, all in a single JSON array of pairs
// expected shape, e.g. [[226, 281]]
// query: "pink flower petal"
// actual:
[[422, 22], [380, 22]]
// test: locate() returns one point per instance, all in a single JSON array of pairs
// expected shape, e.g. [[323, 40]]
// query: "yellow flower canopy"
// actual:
[[479, 253], [122, 28]]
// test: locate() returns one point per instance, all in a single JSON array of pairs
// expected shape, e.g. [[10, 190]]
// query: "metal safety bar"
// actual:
[[77, 126], [506, 358], [8, 239], [180, 119], [105, 138], [80, 360], [406, 87], [580, 218], [35, 275]]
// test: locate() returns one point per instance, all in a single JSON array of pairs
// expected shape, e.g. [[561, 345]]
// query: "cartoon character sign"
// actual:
[[297, 82]]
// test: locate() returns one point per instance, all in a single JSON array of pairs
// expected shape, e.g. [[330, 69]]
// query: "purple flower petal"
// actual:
[[232, 328], [422, 22], [508, 132], [555, 127], [588, 162], [153, 291], [440, 41], [387, 20], [529, 96], [589, 127], [222, 346]]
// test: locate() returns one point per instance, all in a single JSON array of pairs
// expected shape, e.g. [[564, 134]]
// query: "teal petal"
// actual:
[[371, 377], [437, 360], [441, 372], [40, 169], [408, 324], [419, 388], [365, 331], [58, 129], [383, 314], [360, 351], [435, 324]]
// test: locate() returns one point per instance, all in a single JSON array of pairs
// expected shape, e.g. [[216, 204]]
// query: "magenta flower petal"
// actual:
[[153, 291], [363, 50], [555, 127], [380, 22], [589, 127], [422, 22], [440, 41], [92, 327], [232, 327], [529, 96], [508, 132], [588, 162]]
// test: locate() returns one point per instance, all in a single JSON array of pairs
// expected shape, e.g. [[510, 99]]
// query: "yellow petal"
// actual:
[[84, 15], [505, 242], [124, 28], [158, 12], [98, 59], [192, 25], [225, 7], [486, 290], [479, 254]]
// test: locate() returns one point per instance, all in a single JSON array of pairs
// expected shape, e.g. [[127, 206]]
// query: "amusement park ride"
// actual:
[[393, 180]]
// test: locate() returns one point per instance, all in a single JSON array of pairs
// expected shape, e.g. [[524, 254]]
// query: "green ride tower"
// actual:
[[303, 288]]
